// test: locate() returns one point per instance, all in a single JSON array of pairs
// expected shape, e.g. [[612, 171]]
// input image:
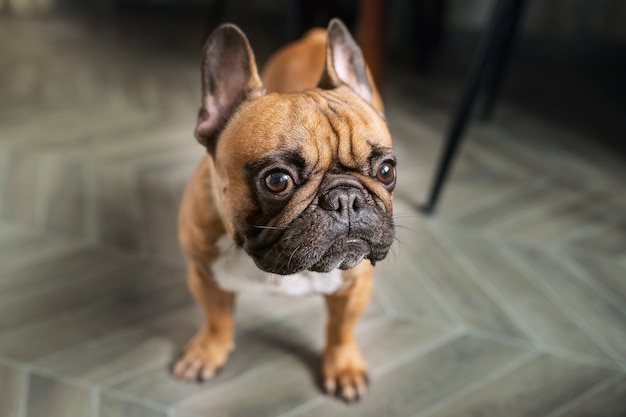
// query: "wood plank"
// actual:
[[472, 305], [151, 343], [494, 205], [114, 406], [556, 223], [534, 389], [601, 319], [65, 329], [39, 302], [608, 239], [30, 248], [545, 323], [48, 396], [608, 402], [606, 272], [12, 394], [21, 189], [75, 262], [64, 198]]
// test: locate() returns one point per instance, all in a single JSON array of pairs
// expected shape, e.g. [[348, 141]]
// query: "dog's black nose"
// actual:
[[345, 200]]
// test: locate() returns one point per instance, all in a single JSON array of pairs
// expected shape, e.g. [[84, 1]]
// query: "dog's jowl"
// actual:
[[297, 182]]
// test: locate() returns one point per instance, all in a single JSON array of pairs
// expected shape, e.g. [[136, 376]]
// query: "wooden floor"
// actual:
[[511, 301]]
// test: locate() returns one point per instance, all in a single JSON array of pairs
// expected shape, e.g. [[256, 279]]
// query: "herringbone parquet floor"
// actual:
[[511, 301]]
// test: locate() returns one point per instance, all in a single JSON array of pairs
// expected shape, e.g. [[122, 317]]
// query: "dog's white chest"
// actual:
[[235, 270]]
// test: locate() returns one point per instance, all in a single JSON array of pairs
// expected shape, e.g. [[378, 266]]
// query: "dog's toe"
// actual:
[[353, 386], [345, 373], [348, 392], [194, 369], [201, 359], [208, 372], [330, 386]]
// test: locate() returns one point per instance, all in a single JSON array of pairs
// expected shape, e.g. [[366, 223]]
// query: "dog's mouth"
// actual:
[[343, 253]]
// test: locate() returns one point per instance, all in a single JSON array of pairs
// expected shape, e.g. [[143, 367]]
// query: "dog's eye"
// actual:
[[386, 173], [279, 182]]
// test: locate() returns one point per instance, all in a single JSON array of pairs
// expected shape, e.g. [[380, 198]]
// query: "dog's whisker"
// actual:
[[270, 227], [292, 255], [410, 229]]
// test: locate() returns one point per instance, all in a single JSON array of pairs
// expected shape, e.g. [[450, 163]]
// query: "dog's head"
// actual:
[[305, 180]]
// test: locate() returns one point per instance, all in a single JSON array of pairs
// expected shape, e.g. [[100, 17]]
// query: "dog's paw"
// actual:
[[345, 372], [202, 358]]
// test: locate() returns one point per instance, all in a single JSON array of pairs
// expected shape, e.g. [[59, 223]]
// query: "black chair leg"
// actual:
[[502, 58], [503, 11]]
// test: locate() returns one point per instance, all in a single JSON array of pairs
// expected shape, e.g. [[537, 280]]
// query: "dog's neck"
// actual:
[[235, 271]]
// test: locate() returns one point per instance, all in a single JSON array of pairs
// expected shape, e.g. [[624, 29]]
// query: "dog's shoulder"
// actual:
[[199, 222]]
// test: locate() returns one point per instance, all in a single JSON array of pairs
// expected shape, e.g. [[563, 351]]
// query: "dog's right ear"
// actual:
[[229, 76], [345, 64]]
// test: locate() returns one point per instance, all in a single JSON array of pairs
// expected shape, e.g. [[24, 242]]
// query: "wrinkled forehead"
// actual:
[[323, 126]]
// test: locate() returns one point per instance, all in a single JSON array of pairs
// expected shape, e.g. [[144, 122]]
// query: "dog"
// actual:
[[294, 195]]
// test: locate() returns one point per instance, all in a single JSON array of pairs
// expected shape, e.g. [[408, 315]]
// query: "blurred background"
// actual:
[[508, 299]]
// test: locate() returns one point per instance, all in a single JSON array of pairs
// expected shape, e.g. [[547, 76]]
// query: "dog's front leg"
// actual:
[[207, 352], [344, 366]]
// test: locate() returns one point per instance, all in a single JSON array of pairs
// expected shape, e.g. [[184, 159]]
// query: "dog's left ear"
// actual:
[[344, 62], [229, 76]]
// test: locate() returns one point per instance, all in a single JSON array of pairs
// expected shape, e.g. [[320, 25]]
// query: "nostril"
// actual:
[[357, 202], [329, 202]]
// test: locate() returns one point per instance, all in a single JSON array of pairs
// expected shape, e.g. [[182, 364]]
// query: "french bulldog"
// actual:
[[294, 195]]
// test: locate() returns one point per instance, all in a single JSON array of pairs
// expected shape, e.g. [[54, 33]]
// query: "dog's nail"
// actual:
[[349, 394], [361, 386], [208, 373], [361, 389], [191, 373], [331, 386], [179, 369]]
